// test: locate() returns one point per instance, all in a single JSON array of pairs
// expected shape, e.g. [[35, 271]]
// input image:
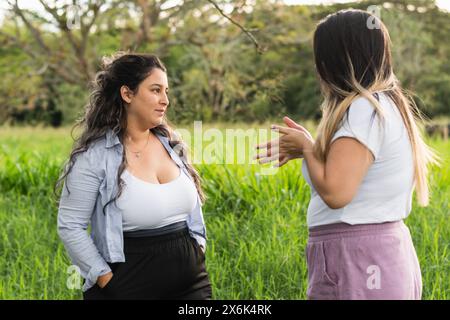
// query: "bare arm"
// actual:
[[338, 179]]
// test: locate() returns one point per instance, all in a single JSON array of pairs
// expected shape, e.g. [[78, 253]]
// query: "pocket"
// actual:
[[108, 285], [320, 285], [326, 270], [114, 269], [198, 249]]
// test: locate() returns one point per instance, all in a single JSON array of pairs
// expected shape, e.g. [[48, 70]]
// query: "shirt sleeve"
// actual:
[[74, 214], [362, 123], [196, 224]]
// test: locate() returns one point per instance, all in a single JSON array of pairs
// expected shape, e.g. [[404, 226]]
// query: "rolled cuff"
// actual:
[[94, 273]]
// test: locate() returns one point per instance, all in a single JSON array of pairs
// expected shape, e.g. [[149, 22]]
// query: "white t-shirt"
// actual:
[[385, 193]]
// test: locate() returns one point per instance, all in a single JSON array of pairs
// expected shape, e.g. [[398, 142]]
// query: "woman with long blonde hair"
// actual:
[[366, 161]]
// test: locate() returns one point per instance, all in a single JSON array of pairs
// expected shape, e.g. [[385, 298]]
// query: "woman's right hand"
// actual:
[[103, 280], [283, 149], [294, 125]]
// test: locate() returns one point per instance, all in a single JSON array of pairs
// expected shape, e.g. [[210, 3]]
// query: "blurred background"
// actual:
[[51, 49], [233, 65]]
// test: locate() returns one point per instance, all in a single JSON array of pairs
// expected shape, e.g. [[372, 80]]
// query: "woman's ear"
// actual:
[[126, 94]]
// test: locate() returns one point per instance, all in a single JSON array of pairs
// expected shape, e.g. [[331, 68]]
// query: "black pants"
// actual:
[[170, 266]]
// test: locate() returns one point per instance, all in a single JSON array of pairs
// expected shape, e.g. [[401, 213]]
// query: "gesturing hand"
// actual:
[[294, 125], [292, 143]]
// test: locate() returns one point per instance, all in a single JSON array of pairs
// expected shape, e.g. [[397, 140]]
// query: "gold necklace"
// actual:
[[137, 154]]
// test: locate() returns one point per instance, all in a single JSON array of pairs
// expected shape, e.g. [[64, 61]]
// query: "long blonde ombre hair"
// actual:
[[354, 60]]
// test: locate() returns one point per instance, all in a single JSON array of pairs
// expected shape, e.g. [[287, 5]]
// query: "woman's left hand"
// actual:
[[292, 144]]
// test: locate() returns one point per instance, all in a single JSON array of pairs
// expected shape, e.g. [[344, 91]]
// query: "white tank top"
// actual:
[[146, 205]]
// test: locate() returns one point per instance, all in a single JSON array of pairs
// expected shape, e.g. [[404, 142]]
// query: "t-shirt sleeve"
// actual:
[[362, 123]]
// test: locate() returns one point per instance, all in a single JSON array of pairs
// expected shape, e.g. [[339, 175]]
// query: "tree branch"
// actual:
[[59, 69], [258, 47], [79, 47], [34, 31]]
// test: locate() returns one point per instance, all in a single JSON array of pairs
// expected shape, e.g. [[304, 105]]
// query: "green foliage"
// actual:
[[214, 70], [256, 225]]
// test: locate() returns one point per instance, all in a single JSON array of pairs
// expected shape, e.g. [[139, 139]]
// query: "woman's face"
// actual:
[[148, 105]]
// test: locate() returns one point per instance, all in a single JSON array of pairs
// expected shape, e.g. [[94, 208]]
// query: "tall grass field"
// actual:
[[256, 224]]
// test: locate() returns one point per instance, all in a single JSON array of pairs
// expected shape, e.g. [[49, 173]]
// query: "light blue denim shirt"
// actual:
[[92, 183]]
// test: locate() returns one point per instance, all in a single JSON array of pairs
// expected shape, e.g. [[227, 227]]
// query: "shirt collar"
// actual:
[[112, 139]]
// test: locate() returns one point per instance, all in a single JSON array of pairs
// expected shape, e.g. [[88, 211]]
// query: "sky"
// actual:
[[34, 4], [443, 4]]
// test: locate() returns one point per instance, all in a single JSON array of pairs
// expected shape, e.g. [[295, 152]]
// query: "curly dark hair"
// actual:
[[106, 110]]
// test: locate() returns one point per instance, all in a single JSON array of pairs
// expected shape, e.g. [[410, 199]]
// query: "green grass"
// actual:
[[256, 225]]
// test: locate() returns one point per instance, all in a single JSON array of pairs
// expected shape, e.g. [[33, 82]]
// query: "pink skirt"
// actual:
[[362, 262]]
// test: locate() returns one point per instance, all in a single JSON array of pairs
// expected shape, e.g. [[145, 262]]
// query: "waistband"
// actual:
[[171, 228], [339, 230]]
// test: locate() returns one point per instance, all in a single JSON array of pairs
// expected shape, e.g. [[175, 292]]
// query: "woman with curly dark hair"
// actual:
[[128, 176]]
